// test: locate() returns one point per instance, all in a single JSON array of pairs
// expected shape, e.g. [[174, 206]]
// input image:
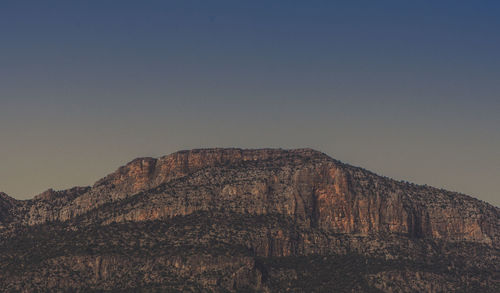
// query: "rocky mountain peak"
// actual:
[[221, 217], [145, 173], [6, 199], [46, 195], [7, 205]]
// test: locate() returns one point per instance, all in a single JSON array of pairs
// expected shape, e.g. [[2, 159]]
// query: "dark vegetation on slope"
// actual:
[[229, 220]]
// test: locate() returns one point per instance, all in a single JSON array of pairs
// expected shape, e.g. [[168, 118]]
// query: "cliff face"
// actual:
[[294, 203], [304, 184]]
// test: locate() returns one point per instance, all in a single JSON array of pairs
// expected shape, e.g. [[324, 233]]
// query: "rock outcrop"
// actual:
[[242, 217], [8, 207]]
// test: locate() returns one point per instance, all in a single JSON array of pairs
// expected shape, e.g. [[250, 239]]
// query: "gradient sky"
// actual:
[[407, 89]]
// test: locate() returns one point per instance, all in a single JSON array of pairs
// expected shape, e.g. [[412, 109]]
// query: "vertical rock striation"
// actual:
[[296, 203]]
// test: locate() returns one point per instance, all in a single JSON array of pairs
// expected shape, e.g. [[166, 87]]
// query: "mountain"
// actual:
[[237, 220]]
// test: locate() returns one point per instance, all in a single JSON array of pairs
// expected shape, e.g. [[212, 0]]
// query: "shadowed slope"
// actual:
[[254, 206]]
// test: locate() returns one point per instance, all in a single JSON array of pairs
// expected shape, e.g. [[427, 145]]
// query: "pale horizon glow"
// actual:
[[406, 90]]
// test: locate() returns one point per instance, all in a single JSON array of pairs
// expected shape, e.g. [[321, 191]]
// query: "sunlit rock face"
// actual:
[[313, 188], [295, 203]]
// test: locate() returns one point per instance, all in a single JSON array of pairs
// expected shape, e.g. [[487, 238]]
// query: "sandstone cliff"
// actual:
[[259, 215]]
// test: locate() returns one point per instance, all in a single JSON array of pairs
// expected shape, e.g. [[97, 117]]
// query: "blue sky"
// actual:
[[408, 89]]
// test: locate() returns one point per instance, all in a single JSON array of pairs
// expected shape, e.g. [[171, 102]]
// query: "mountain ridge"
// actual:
[[274, 204], [52, 190], [145, 173]]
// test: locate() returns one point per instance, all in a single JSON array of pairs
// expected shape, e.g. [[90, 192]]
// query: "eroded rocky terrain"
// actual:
[[232, 220]]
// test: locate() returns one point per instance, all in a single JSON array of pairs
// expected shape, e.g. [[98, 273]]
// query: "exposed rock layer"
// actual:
[[300, 203]]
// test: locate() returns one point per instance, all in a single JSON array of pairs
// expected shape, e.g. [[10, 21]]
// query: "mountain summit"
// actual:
[[233, 220]]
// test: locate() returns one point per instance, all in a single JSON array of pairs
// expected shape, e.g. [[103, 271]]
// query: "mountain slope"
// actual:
[[258, 220]]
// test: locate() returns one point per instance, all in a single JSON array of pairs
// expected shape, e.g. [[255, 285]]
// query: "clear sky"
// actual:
[[408, 89]]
